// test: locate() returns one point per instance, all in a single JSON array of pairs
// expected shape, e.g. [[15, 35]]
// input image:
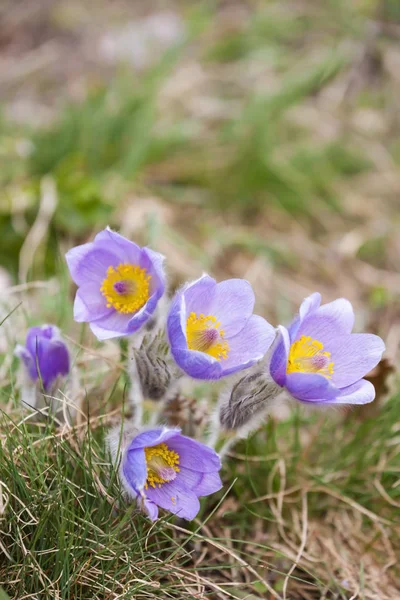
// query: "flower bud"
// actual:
[[156, 371], [247, 402], [45, 371]]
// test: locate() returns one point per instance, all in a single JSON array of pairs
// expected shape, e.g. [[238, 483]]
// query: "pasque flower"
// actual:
[[45, 356], [119, 282], [162, 468], [212, 331], [317, 359]]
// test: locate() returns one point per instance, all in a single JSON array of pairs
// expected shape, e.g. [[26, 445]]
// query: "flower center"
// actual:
[[161, 463], [126, 288], [307, 356], [204, 335]]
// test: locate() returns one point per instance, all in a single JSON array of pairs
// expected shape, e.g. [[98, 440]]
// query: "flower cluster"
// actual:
[[209, 332]]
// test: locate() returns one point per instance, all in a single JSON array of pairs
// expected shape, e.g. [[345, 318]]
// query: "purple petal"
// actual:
[[190, 479], [232, 304], [293, 328], [210, 483], [198, 365], [74, 257], [125, 250], [249, 345], [330, 320], [49, 355], [111, 326], [58, 359], [56, 363], [361, 392], [151, 509], [176, 498], [309, 305], [279, 359], [153, 262], [176, 323], [341, 312], [195, 455], [52, 360], [354, 356], [153, 437], [310, 386], [27, 358], [93, 269], [150, 259], [90, 304], [134, 468], [46, 332], [202, 484], [32, 340], [142, 315], [199, 295]]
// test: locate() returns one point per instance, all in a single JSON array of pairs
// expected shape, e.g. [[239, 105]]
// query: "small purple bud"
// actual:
[[45, 356], [247, 402]]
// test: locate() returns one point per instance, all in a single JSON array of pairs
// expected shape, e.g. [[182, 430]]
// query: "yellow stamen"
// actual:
[[161, 465], [307, 356], [126, 288], [203, 334]]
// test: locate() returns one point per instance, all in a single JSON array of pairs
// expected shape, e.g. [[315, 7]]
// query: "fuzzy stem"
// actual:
[[160, 405], [230, 441], [215, 429], [224, 439], [135, 391], [157, 411]]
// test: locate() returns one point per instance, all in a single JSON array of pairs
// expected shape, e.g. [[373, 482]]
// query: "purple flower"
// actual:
[[119, 283], [317, 359], [212, 331], [45, 356], [162, 468]]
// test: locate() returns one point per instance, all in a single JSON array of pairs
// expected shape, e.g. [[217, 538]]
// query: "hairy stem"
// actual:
[[135, 391]]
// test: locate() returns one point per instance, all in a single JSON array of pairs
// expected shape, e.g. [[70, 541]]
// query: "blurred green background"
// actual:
[[247, 138]]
